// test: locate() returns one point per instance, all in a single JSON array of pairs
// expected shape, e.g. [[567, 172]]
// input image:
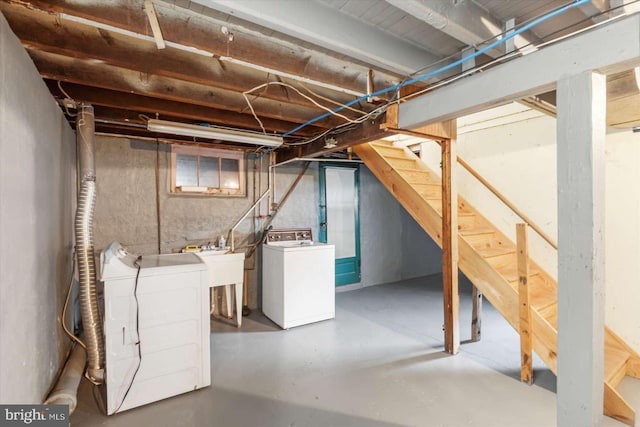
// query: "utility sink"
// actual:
[[225, 269]]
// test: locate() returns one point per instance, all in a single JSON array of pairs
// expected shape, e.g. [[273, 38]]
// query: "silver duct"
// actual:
[[91, 322]]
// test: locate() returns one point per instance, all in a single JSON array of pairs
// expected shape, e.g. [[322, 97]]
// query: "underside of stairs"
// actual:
[[488, 258]]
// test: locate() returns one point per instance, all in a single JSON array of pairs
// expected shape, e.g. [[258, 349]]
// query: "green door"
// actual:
[[339, 217]]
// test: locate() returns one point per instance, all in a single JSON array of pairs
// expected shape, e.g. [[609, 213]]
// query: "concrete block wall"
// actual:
[[129, 208], [37, 196]]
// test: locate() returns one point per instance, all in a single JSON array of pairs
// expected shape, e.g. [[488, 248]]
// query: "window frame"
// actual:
[[199, 151]]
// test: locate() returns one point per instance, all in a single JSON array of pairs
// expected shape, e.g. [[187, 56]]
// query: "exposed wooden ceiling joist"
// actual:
[[187, 28], [318, 24], [95, 74], [43, 31], [168, 108]]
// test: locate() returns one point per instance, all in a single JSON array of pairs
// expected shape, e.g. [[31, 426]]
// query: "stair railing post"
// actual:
[[526, 337], [476, 314], [451, 298]]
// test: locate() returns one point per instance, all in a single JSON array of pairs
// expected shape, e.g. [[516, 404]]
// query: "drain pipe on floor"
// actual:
[[91, 322], [66, 390]]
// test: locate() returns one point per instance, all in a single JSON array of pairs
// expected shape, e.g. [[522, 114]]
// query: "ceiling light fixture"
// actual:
[[213, 132]]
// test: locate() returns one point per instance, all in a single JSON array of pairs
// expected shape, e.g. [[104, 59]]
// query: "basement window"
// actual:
[[209, 171]]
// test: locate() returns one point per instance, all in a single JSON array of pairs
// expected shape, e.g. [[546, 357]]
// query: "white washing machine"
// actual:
[[156, 330], [298, 278]]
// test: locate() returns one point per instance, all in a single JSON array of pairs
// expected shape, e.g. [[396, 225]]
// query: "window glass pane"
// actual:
[[209, 172], [186, 170], [341, 211], [230, 175]]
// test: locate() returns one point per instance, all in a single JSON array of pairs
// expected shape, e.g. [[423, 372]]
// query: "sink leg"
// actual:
[[228, 296], [239, 303]]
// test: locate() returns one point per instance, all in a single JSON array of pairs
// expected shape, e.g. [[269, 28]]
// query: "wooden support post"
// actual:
[[450, 247], [526, 336], [476, 314], [581, 163]]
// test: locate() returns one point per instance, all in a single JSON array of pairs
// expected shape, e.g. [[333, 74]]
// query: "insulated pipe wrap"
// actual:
[[91, 321], [66, 391]]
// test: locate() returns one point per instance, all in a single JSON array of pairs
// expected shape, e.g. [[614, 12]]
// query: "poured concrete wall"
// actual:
[[393, 245], [37, 193]]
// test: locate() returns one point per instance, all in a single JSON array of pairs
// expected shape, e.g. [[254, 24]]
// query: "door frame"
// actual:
[[348, 270]]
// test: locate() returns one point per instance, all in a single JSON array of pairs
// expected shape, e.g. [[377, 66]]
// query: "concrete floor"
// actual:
[[379, 363]]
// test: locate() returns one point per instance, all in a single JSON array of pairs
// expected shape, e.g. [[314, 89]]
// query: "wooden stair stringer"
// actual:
[[633, 364], [616, 407], [493, 286], [496, 288]]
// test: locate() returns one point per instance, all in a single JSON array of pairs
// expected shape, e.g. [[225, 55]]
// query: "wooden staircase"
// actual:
[[488, 258]]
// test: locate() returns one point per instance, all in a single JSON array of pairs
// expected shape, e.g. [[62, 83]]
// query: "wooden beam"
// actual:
[[526, 336], [365, 132], [166, 108], [581, 164], [476, 314], [186, 27], [436, 131], [450, 247], [89, 73], [39, 30], [609, 48], [155, 25]]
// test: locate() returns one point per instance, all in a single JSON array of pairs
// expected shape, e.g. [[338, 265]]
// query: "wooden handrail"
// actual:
[[511, 206]]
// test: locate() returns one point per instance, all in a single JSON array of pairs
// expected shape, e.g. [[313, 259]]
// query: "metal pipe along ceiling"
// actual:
[[92, 324]]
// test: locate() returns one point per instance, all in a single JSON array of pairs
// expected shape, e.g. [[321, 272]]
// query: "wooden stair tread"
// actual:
[[414, 176], [385, 144], [426, 184], [510, 272], [542, 291], [493, 252], [401, 157], [615, 362], [476, 231], [550, 314]]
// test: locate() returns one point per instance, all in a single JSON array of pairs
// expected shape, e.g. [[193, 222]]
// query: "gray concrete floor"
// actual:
[[379, 363]]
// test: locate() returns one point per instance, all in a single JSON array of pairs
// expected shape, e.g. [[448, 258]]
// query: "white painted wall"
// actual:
[[622, 235], [514, 148], [37, 193], [393, 245]]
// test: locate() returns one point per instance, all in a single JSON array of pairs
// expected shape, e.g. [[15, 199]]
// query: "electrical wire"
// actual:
[[496, 60], [66, 303], [63, 91], [446, 67], [287, 85], [135, 296], [324, 98]]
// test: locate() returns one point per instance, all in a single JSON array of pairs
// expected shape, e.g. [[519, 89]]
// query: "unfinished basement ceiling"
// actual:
[[326, 52]]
